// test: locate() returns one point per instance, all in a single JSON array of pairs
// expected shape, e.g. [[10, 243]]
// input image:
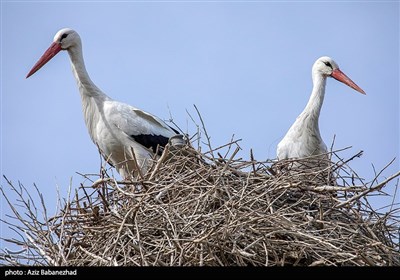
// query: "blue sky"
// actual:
[[245, 65]]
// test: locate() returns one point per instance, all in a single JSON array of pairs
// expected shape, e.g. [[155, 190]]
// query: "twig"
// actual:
[[205, 131], [374, 188]]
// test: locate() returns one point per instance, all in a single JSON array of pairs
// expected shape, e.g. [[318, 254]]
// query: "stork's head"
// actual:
[[63, 40], [326, 66], [66, 38]]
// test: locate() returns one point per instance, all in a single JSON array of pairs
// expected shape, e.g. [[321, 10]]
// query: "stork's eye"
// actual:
[[64, 36], [327, 63]]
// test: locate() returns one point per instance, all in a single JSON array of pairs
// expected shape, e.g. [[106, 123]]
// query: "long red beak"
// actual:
[[341, 77], [48, 54]]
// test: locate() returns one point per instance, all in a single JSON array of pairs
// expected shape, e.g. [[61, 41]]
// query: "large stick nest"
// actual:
[[194, 208]]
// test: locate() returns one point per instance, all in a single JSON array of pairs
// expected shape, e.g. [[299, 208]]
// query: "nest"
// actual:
[[206, 209]]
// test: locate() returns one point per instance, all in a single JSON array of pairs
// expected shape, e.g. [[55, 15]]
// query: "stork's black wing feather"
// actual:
[[176, 131], [151, 141]]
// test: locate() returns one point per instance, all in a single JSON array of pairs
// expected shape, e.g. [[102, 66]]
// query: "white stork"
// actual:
[[121, 132], [303, 138]]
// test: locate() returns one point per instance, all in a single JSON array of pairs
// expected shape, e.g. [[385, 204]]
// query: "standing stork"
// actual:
[[126, 136], [303, 138]]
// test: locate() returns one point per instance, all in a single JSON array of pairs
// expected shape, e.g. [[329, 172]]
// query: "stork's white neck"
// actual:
[[314, 105], [92, 97], [85, 84]]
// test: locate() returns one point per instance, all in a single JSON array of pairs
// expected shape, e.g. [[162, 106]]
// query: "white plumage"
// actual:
[[303, 138], [121, 132]]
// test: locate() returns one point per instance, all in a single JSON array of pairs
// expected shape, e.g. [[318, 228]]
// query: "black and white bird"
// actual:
[[303, 138], [121, 132]]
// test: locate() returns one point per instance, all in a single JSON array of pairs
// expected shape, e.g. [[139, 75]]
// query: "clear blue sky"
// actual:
[[246, 65]]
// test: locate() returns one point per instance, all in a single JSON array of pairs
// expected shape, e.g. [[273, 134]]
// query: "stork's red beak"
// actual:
[[48, 54], [340, 76]]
